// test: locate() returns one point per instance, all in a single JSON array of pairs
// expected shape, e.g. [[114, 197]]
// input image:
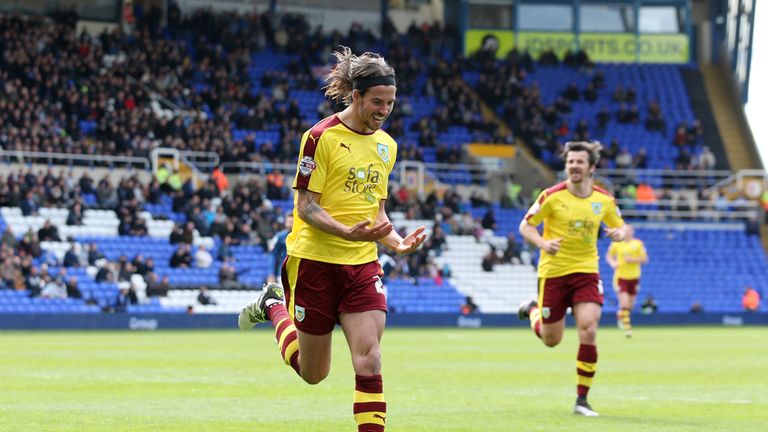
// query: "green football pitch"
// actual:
[[664, 379]]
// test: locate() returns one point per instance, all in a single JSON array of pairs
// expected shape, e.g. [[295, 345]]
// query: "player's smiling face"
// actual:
[[577, 166], [374, 107]]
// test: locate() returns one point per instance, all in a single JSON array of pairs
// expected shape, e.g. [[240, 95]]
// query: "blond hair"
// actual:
[[350, 67], [592, 148]]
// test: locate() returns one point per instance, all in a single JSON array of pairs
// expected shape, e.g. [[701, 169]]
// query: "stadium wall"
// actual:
[[228, 321]]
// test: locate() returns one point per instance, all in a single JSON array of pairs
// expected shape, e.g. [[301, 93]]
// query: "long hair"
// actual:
[[350, 67], [592, 148]]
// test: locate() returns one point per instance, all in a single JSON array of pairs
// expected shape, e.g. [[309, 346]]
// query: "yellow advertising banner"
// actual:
[[664, 48], [500, 40], [609, 47], [601, 47], [536, 42]]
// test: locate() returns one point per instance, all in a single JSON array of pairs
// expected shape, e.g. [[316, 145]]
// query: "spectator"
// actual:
[[469, 306], [512, 252], [706, 160], [489, 220], [649, 305], [203, 258], [8, 240], [105, 273], [177, 234], [204, 297], [512, 197], [490, 259], [624, 159], [181, 258], [75, 216], [73, 290], [438, 242], [224, 252], [279, 250], [227, 276], [139, 265], [94, 255], [125, 297], [696, 307], [71, 258], [188, 235], [157, 288], [751, 299], [29, 206], [48, 232], [30, 245], [54, 288], [33, 282]]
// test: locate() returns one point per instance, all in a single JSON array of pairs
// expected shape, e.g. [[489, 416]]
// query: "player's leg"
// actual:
[[362, 314], [587, 308], [619, 309], [587, 317], [314, 363], [626, 303], [281, 307], [624, 312], [363, 331], [547, 314]]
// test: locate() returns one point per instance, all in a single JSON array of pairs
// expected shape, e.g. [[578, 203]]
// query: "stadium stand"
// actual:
[[235, 91]]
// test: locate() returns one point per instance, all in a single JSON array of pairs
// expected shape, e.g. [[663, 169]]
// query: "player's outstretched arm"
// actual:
[[617, 234], [393, 241], [309, 211], [531, 234]]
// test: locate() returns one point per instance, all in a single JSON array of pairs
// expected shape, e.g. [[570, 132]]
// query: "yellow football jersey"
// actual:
[[575, 220], [350, 170], [628, 249]]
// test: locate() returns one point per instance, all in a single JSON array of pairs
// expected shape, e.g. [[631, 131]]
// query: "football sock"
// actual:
[[586, 364], [535, 316], [285, 334], [625, 320], [369, 406]]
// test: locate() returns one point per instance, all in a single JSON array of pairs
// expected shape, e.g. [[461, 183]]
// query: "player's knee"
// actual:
[[551, 340], [313, 377], [369, 362], [588, 333]]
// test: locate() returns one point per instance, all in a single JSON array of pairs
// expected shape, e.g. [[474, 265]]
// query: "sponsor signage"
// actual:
[[601, 47]]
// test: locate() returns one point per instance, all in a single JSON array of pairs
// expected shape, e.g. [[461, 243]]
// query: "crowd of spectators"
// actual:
[[97, 94], [503, 85]]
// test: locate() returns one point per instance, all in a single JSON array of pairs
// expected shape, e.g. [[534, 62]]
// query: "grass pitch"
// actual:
[[664, 379]]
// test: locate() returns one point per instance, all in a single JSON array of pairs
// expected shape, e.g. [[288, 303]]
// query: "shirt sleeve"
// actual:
[[612, 216], [539, 210], [313, 164], [391, 167], [643, 251]]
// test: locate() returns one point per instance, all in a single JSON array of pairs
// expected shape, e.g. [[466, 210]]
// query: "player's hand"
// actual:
[[615, 234], [412, 241], [552, 246], [361, 232]]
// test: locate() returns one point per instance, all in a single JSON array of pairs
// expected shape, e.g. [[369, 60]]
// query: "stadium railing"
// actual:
[[111, 161], [667, 178], [686, 210]]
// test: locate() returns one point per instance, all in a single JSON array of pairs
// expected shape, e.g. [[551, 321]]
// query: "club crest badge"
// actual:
[[306, 165], [545, 312], [597, 208], [299, 313], [383, 151]]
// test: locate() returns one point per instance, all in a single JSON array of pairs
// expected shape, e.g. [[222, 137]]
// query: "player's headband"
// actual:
[[362, 84]]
